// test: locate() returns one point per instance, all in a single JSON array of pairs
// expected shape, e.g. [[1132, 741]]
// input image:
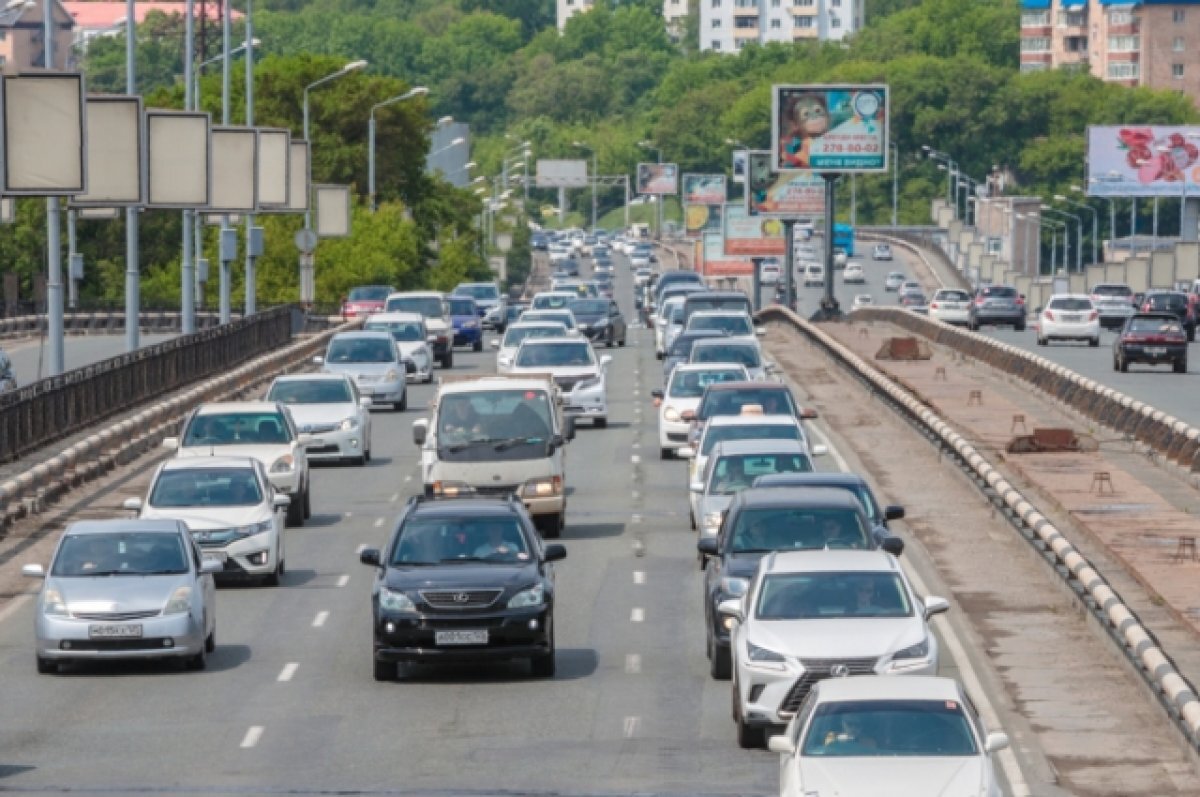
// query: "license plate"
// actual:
[[461, 637], [1072, 317], [366, 391], [220, 556], [115, 631], [1155, 350]]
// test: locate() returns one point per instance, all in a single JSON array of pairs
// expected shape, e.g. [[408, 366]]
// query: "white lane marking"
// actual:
[[343, 579], [320, 619], [631, 726], [288, 671], [14, 605], [639, 577], [633, 663], [637, 445], [637, 615], [408, 478], [635, 495], [635, 459], [639, 548], [253, 734], [635, 518], [395, 497], [378, 522], [347, 515], [991, 718]]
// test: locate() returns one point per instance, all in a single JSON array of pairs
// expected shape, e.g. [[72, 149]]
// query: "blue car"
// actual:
[[468, 327]]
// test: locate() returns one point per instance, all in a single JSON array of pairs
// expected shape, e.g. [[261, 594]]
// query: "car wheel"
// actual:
[[197, 662], [720, 665], [448, 359], [1094, 342], [385, 670], [1191, 334], [307, 502], [273, 579], [1019, 326], [622, 343], [1181, 365], [1124, 364], [402, 404], [543, 666], [1041, 341], [47, 666], [658, 355], [478, 344], [210, 642], [551, 526], [601, 423], [295, 512], [665, 453], [749, 737]]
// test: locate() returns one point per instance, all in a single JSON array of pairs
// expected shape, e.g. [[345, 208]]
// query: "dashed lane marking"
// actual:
[[288, 671], [320, 619], [253, 734], [343, 579], [637, 615]]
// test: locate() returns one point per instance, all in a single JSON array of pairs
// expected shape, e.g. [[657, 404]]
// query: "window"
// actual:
[[3, 35], [1034, 19], [716, 3], [1035, 44], [836, 3], [1122, 44], [1033, 66], [716, 45], [1177, 15], [803, 3], [1123, 71], [1177, 45], [716, 23], [776, 24], [834, 22], [745, 22], [1072, 18], [1177, 71], [802, 22], [993, 246], [774, 3], [1120, 18]]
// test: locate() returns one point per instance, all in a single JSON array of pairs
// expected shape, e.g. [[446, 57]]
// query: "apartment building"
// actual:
[[674, 13], [22, 35], [569, 8], [726, 26], [1130, 42]]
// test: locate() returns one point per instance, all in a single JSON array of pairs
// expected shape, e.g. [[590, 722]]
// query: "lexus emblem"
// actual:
[[837, 670], [496, 477], [462, 597]]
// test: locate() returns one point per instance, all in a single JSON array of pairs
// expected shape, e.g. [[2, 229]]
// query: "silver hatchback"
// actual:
[[125, 589]]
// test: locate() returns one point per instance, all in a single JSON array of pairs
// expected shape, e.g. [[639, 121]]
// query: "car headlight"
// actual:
[[917, 651], [763, 656], [542, 488], [251, 529], [53, 603], [712, 520], [391, 376], [534, 596], [349, 423], [671, 414], [395, 601], [285, 464], [733, 586], [180, 602], [452, 489]]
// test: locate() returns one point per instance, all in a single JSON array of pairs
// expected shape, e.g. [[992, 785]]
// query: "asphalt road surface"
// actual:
[[30, 357]]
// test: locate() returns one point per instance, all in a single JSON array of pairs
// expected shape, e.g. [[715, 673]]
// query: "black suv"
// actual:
[[852, 483], [765, 519], [463, 579]]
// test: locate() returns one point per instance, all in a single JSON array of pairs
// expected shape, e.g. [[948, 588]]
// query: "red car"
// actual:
[[365, 299], [1151, 338]]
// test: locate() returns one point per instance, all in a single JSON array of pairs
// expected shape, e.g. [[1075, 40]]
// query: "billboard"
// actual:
[[791, 193], [739, 166], [718, 264], [658, 178], [704, 189], [699, 219], [1143, 160], [562, 173], [43, 134], [114, 152], [829, 128], [752, 236]]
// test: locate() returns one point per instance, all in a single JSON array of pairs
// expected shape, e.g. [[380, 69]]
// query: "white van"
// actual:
[[814, 275]]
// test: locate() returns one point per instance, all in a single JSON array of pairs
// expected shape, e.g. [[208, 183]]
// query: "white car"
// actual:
[[839, 258], [369, 358], [672, 329], [854, 273], [894, 280], [230, 508], [736, 324], [732, 467], [744, 426], [563, 316], [553, 300], [263, 430], [579, 375], [881, 252], [1069, 317], [662, 316], [642, 276], [432, 305], [951, 306], [739, 351], [559, 253], [920, 736], [770, 272], [327, 406], [506, 347], [807, 612], [683, 393], [862, 300], [412, 342], [814, 275]]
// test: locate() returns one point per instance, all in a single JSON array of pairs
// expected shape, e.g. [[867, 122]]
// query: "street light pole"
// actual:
[[132, 256], [414, 92], [895, 180], [1095, 223], [1066, 238], [54, 286], [187, 309]]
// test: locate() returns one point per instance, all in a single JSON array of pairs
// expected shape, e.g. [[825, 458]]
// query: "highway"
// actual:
[[29, 356]]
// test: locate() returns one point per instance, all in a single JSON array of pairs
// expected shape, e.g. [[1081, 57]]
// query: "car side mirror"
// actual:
[[318, 360], [707, 546], [893, 512], [687, 452], [696, 487], [569, 428], [33, 571], [893, 545], [208, 566], [281, 501], [420, 430], [132, 504], [657, 394], [170, 443], [808, 414], [995, 742], [495, 343], [731, 608], [555, 553], [369, 556], [935, 605], [782, 745]]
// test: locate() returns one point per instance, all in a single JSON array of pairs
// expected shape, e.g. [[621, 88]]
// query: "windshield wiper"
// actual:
[[454, 559], [504, 445], [482, 441]]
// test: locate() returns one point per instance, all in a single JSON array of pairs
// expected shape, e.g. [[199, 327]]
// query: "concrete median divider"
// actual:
[[123, 441], [1176, 695]]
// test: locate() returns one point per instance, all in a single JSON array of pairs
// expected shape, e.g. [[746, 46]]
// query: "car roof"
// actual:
[[108, 526], [750, 384], [544, 324], [827, 478], [684, 368], [831, 561], [417, 294], [224, 407], [720, 313], [1054, 296], [726, 340], [397, 316], [752, 419], [312, 376], [737, 447], [494, 382], [799, 497], [694, 334], [363, 334], [887, 687], [709, 295], [574, 341], [472, 506], [205, 463]]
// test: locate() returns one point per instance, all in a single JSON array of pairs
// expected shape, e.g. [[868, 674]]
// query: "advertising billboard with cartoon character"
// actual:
[[829, 128]]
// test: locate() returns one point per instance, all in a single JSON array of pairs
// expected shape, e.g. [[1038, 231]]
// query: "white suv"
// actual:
[[579, 375]]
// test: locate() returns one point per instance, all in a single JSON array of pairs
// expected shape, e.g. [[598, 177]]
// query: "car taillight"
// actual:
[[1092, 316], [1049, 315], [933, 305], [979, 301], [1020, 301]]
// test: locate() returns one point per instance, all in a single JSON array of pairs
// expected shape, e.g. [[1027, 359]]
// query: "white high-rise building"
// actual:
[[569, 8], [727, 25], [674, 13]]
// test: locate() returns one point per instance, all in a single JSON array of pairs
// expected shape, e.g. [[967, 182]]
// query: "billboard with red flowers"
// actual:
[[1147, 160]]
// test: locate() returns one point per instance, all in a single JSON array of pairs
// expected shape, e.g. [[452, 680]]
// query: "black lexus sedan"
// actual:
[[463, 580]]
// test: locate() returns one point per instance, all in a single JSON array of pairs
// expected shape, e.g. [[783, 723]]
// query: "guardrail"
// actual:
[[1174, 439], [50, 409], [102, 321], [1176, 695], [123, 441]]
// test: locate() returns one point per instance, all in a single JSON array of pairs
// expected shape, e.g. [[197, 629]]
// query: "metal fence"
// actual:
[[60, 406]]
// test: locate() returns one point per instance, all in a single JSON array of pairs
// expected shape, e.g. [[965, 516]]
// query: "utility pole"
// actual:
[[132, 256], [54, 287]]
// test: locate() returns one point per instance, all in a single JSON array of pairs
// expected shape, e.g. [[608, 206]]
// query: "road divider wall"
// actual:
[[1176, 695]]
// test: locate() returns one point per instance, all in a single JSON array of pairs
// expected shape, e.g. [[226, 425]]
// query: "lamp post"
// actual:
[[1055, 224], [895, 180], [591, 149], [417, 91], [658, 155], [1095, 222], [1066, 238], [1112, 211], [951, 168]]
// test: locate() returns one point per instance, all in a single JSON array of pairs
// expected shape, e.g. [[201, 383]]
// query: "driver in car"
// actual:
[[496, 544]]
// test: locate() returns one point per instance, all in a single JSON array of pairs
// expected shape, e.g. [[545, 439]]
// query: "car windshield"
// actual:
[[896, 276], [461, 306], [478, 291], [682, 346], [1122, 291], [727, 353], [698, 301], [441, 540], [514, 335], [797, 528], [555, 355], [428, 306], [311, 391], [1070, 303], [400, 330], [589, 307], [730, 324], [1154, 326], [691, 383], [360, 350], [773, 400], [891, 728], [121, 553], [736, 472], [952, 296], [237, 428], [748, 431], [488, 422], [552, 301], [1167, 301], [567, 319], [369, 293], [205, 487], [815, 596], [676, 316]]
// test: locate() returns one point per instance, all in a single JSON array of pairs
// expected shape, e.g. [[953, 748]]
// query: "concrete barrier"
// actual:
[[1178, 696]]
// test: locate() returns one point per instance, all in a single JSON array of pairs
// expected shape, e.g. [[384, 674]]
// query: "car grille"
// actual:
[[146, 643], [818, 670], [367, 378], [677, 437], [110, 616], [325, 449], [460, 599], [499, 490]]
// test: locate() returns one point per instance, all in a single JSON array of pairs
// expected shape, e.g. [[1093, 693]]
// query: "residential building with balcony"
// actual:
[[22, 36], [565, 9], [727, 26]]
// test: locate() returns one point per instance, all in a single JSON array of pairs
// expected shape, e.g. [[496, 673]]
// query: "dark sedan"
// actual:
[[600, 320], [1151, 338], [681, 349]]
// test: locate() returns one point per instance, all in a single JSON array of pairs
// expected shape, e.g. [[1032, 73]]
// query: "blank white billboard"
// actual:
[[333, 210], [299, 177], [179, 159], [274, 157], [114, 152], [561, 173], [43, 134], [234, 169]]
